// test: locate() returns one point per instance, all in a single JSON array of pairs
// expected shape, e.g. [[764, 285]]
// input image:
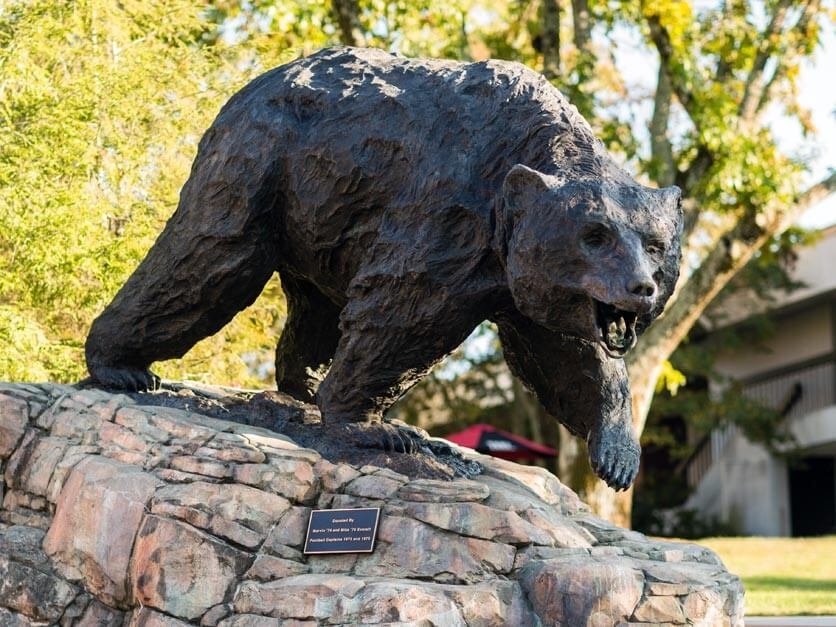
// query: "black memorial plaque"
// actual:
[[342, 530]]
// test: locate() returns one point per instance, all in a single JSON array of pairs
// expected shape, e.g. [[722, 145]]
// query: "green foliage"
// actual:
[[711, 400], [671, 379], [767, 275], [462, 391], [655, 513], [272, 32], [101, 108], [705, 411], [102, 104]]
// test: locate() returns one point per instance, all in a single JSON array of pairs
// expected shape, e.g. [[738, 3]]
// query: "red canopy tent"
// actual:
[[492, 441]]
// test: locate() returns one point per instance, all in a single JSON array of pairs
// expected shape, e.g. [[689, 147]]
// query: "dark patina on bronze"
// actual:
[[403, 202]]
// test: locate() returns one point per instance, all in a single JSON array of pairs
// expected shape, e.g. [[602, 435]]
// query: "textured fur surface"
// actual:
[[403, 202]]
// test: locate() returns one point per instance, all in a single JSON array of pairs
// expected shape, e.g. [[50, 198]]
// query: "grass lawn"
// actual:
[[782, 576]]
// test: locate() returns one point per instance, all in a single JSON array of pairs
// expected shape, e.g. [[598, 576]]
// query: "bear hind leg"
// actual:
[[392, 334], [308, 342]]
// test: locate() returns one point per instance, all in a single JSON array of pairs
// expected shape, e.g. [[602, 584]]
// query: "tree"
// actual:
[[101, 107], [731, 167], [550, 39], [347, 13]]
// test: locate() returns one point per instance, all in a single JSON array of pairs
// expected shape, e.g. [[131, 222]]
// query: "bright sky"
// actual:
[[817, 91]]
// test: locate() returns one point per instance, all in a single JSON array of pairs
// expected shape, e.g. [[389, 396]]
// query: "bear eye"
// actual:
[[655, 248], [597, 236]]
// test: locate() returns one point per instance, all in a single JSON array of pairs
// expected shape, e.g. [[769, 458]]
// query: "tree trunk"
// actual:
[[581, 23], [528, 406], [347, 14], [573, 470], [660, 145], [551, 39]]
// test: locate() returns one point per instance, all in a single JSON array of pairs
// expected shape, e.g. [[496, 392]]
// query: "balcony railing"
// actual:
[[708, 449], [794, 391]]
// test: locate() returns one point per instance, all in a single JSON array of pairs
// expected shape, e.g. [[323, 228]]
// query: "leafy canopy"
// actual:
[[101, 108], [102, 105]]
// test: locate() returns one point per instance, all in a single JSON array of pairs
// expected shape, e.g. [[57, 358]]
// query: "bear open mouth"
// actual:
[[616, 329]]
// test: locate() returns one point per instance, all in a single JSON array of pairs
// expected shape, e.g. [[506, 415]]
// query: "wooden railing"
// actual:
[[795, 390], [708, 449]]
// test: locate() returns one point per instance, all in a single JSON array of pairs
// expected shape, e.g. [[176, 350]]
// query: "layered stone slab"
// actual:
[[115, 512]]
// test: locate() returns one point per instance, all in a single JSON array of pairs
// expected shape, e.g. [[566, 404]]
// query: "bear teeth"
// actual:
[[616, 328], [615, 336]]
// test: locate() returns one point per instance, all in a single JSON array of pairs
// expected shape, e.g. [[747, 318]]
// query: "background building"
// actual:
[[795, 373]]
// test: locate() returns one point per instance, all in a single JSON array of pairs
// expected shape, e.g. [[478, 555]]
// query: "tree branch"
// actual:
[[660, 146], [690, 177], [662, 40], [812, 196], [580, 22], [551, 39], [767, 93], [754, 81], [734, 249], [723, 70]]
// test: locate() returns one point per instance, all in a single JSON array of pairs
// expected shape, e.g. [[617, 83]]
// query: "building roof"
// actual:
[[492, 441]]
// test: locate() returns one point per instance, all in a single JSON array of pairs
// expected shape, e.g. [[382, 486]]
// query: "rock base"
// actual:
[[116, 512]]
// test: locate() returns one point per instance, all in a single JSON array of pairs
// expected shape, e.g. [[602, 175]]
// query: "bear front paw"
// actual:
[[122, 378], [384, 436], [614, 456]]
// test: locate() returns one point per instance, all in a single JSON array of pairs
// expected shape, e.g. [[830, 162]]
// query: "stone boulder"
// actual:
[[117, 512]]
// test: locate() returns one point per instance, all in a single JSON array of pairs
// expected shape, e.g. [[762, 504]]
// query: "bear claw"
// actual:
[[384, 436], [614, 459], [128, 379]]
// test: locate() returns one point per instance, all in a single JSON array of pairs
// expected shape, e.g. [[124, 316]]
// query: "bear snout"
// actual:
[[640, 295], [641, 303], [642, 287]]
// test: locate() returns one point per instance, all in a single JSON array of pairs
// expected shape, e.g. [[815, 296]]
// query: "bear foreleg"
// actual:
[[580, 386], [211, 261]]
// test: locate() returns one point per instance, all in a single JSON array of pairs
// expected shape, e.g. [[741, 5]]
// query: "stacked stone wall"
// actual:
[[118, 513]]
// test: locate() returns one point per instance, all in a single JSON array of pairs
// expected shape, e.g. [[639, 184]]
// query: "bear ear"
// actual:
[[672, 203], [521, 181]]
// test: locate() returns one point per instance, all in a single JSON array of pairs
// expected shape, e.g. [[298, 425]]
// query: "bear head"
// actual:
[[596, 259]]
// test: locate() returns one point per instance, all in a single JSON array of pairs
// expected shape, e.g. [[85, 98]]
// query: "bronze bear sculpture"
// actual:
[[403, 202]]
